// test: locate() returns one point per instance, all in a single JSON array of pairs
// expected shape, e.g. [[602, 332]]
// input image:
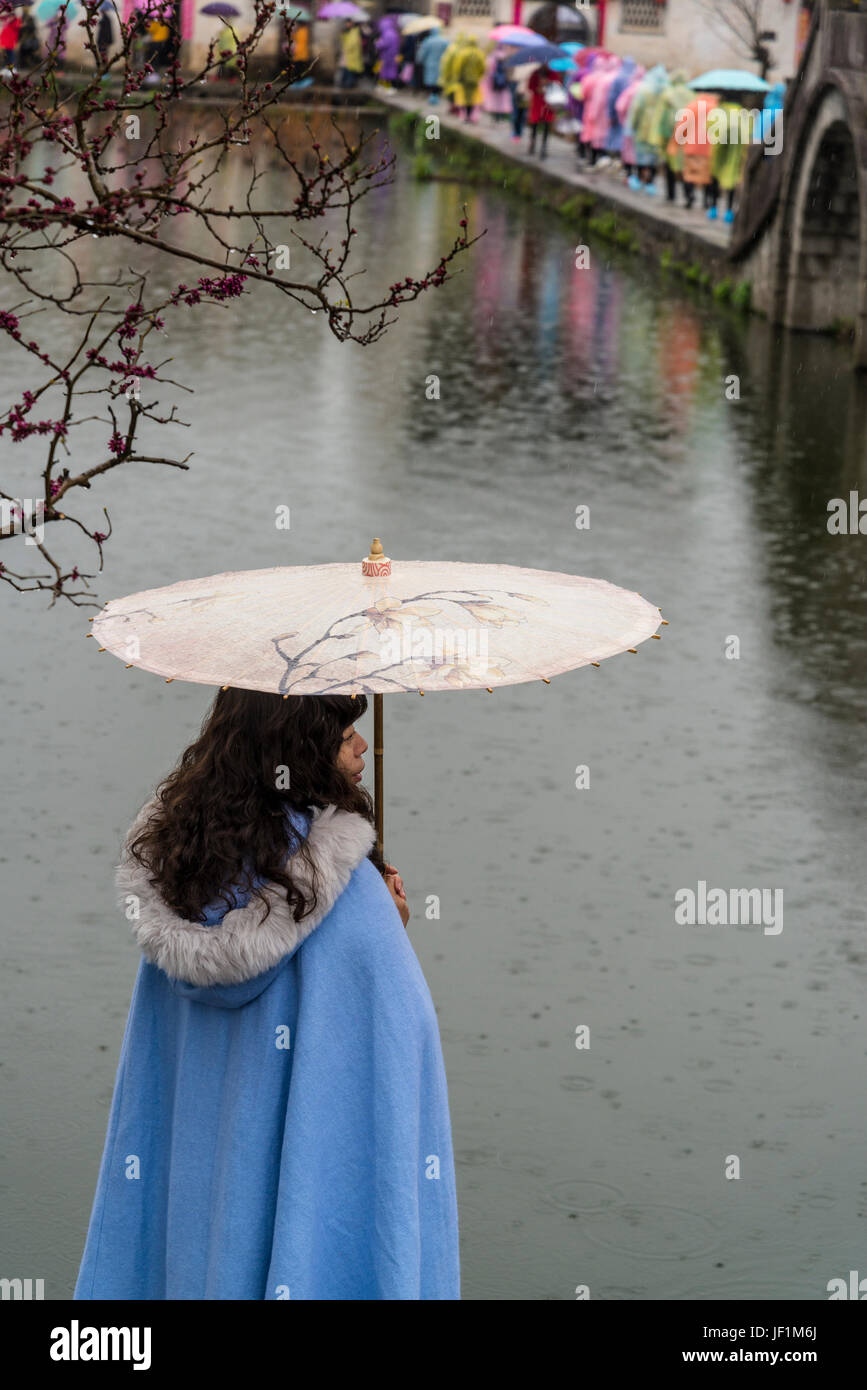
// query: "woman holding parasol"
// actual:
[[280, 1124]]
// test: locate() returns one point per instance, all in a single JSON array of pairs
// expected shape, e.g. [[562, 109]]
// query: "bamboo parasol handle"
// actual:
[[377, 769]]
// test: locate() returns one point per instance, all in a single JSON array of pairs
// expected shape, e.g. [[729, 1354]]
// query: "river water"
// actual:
[[602, 387]]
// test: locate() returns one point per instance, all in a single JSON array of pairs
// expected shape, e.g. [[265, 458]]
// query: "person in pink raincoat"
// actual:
[[496, 92], [590, 74], [596, 86]]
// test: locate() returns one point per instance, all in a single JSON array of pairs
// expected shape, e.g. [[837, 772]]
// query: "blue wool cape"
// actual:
[[279, 1127]]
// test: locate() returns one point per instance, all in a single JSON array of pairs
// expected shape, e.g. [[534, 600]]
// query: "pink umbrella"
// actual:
[[514, 33]]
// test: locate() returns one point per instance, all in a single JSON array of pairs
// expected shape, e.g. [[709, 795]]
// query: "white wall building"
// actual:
[[691, 34], [679, 33]]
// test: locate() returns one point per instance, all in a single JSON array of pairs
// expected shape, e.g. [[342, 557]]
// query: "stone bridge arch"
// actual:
[[822, 262], [800, 236]]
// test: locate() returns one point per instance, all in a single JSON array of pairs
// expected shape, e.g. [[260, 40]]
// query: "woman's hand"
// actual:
[[394, 884]]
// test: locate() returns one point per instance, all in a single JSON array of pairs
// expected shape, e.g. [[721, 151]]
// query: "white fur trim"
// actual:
[[243, 945]]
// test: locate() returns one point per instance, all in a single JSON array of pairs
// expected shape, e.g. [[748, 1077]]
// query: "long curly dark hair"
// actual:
[[222, 811]]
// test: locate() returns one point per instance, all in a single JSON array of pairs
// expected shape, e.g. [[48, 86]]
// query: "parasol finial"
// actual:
[[377, 563]]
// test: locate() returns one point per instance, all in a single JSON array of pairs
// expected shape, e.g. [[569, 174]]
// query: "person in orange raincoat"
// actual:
[[691, 133]]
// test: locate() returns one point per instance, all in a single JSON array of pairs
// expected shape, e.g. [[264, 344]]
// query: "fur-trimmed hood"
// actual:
[[243, 945]]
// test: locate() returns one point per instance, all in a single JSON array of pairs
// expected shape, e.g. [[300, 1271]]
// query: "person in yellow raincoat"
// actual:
[[729, 155], [158, 42], [469, 70], [448, 73], [351, 56]]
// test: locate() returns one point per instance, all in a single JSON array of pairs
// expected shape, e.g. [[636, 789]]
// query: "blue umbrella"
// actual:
[[48, 9], [531, 40], [561, 64], [533, 53], [729, 80]]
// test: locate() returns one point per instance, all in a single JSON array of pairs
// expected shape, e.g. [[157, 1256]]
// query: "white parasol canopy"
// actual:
[[374, 628]]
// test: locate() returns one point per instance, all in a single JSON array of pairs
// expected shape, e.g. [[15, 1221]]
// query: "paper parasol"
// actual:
[[374, 628]]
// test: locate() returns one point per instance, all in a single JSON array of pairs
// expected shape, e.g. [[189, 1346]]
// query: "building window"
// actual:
[[480, 8], [645, 16]]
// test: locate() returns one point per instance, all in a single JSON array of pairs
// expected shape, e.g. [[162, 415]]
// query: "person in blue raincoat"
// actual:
[[622, 79], [279, 1127], [770, 121]]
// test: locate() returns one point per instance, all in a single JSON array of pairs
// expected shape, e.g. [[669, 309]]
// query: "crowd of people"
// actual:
[[620, 117], [643, 124], [20, 41], [25, 41], [634, 123]]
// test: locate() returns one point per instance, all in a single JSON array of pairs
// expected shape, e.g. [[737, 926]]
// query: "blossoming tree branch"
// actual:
[[97, 154]]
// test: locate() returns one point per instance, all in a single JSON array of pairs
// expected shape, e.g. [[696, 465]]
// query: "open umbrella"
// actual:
[[729, 80], [420, 24], [342, 9], [374, 628], [49, 8], [294, 12], [513, 33], [568, 17], [221, 10], [534, 53]]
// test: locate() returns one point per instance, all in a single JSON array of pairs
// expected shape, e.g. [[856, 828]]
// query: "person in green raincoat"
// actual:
[[643, 124], [226, 50], [729, 154], [675, 98], [469, 71]]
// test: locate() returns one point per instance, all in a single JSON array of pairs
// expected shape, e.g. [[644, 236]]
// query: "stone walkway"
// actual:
[[560, 161]]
